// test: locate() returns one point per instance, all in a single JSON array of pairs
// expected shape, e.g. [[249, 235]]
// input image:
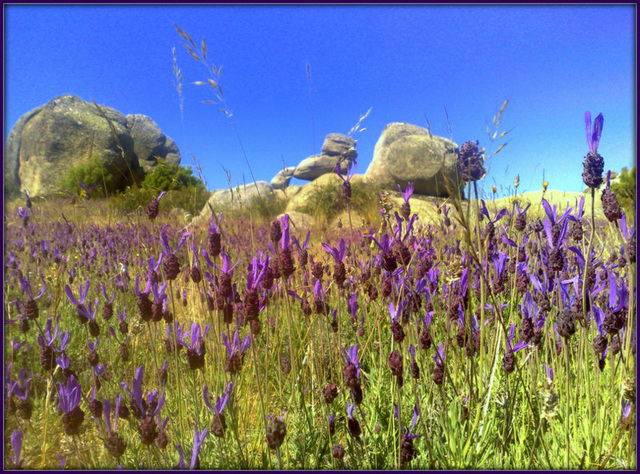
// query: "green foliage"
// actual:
[[264, 209], [191, 199], [326, 202], [170, 177], [184, 191], [92, 172], [625, 188]]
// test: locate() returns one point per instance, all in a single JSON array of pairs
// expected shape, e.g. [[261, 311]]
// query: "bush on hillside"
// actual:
[[92, 172], [183, 190], [625, 188]]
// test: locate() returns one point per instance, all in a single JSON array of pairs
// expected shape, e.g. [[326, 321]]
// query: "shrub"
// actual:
[[170, 177], [326, 202], [625, 188], [92, 172], [191, 199]]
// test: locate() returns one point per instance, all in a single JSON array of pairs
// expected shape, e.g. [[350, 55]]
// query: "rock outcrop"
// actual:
[[406, 153], [49, 140], [282, 179], [336, 148], [150, 144], [313, 167], [238, 197]]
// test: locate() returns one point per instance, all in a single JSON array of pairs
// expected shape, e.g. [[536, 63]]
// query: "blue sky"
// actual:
[[404, 62]]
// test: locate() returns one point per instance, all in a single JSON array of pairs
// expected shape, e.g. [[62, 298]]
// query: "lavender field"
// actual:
[[497, 335]]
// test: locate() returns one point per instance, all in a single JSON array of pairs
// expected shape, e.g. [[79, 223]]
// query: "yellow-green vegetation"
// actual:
[[625, 189], [93, 172], [183, 190], [324, 203]]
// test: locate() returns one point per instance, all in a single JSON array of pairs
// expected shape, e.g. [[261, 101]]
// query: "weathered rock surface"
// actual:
[[301, 200], [238, 197], [66, 131], [336, 148], [337, 144], [406, 153], [47, 141], [149, 143], [299, 220], [313, 167], [281, 180]]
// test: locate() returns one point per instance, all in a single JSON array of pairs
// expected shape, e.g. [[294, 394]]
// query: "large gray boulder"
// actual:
[[12, 152], [150, 144], [49, 140], [282, 178], [336, 148], [406, 153], [337, 144], [313, 167], [240, 197]]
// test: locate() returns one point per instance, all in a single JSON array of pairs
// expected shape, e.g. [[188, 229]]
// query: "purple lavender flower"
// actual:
[[16, 445], [69, 400], [65, 364], [439, 358], [471, 162], [396, 328], [219, 424], [213, 237], [24, 215], [406, 195], [593, 163], [136, 394], [157, 310], [171, 264], [346, 181], [303, 254], [352, 305], [351, 370], [198, 439], [235, 352], [107, 309], [407, 451], [626, 411], [154, 206], [389, 262], [319, 304], [62, 460], [196, 349], [20, 389], [31, 307], [353, 425], [79, 303], [414, 369], [113, 442], [338, 254], [610, 204], [47, 355]]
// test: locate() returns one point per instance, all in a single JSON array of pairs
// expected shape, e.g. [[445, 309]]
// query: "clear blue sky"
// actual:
[[406, 62]]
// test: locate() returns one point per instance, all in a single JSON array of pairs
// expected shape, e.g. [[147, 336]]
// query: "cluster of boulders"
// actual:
[[404, 153], [47, 141], [337, 148]]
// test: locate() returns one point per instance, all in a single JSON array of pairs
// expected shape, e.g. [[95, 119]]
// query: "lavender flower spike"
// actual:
[[593, 136], [16, 445], [69, 395], [198, 439]]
